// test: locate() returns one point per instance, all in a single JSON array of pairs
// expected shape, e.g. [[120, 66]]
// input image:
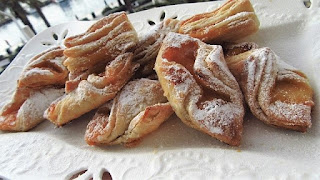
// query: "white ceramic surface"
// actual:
[[176, 151]]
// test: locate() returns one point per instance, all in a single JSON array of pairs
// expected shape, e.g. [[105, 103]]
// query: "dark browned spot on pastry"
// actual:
[[236, 49], [78, 174]]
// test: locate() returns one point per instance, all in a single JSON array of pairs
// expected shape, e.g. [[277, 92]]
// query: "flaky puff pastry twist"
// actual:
[[92, 92], [275, 92], [102, 42], [40, 83], [148, 47], [139, 109], [234, 20], [200, 88]]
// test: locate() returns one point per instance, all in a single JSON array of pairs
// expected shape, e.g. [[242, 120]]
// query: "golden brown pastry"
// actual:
[[232, 21], [200, 88], [91, 93], [148, 47], [40, 83], [101, 43], [139, 109], [276, 93]]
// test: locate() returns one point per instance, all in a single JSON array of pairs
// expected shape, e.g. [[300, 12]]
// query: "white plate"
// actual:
[[176, 151]]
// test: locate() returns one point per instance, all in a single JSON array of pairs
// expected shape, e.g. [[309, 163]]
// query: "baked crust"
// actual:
[[275, 92], [111, 36], [92, 92], [148, 47], [200, 88], [139, 109], [40, 83], [234, 20]]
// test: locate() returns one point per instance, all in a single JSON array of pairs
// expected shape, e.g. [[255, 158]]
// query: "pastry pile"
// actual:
[[137, 84]]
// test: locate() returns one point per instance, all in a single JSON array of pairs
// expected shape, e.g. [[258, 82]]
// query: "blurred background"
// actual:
[[20, 20]]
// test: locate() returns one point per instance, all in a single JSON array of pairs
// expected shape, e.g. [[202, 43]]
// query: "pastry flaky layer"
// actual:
[[275, 92], [91, 93], [200, 88], [149, 45], [40, 83], [138, 109], [234, 20], [102, 42], [100, 64]]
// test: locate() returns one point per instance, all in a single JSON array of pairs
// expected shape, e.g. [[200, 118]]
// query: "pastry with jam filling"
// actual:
[[200, 88], [276, 93]]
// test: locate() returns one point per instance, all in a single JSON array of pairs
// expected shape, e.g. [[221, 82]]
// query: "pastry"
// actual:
[[91, 93], [40, 83], [276, 93], [139, 109], [200, 88], [148, 47], [102, 42], [232, 21]]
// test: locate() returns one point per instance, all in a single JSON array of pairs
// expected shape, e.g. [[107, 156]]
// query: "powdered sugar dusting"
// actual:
[[295, 113], [136, 95], [238, 23], [37, 71], [133, 99], [182, 80], [219, 78], [261, 73], [237, 18], [32, 110], [260, 65], [262, 70], [250, 69], [176, 40], [58, 61], [216, 115], [36, 67], [289, 74]]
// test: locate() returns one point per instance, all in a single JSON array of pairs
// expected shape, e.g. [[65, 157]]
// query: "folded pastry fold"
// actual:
[[232, 21], [275, 92], [40, 83], [149, 45], [91, 93], [200, 88], [139, 109], [102, 42]]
